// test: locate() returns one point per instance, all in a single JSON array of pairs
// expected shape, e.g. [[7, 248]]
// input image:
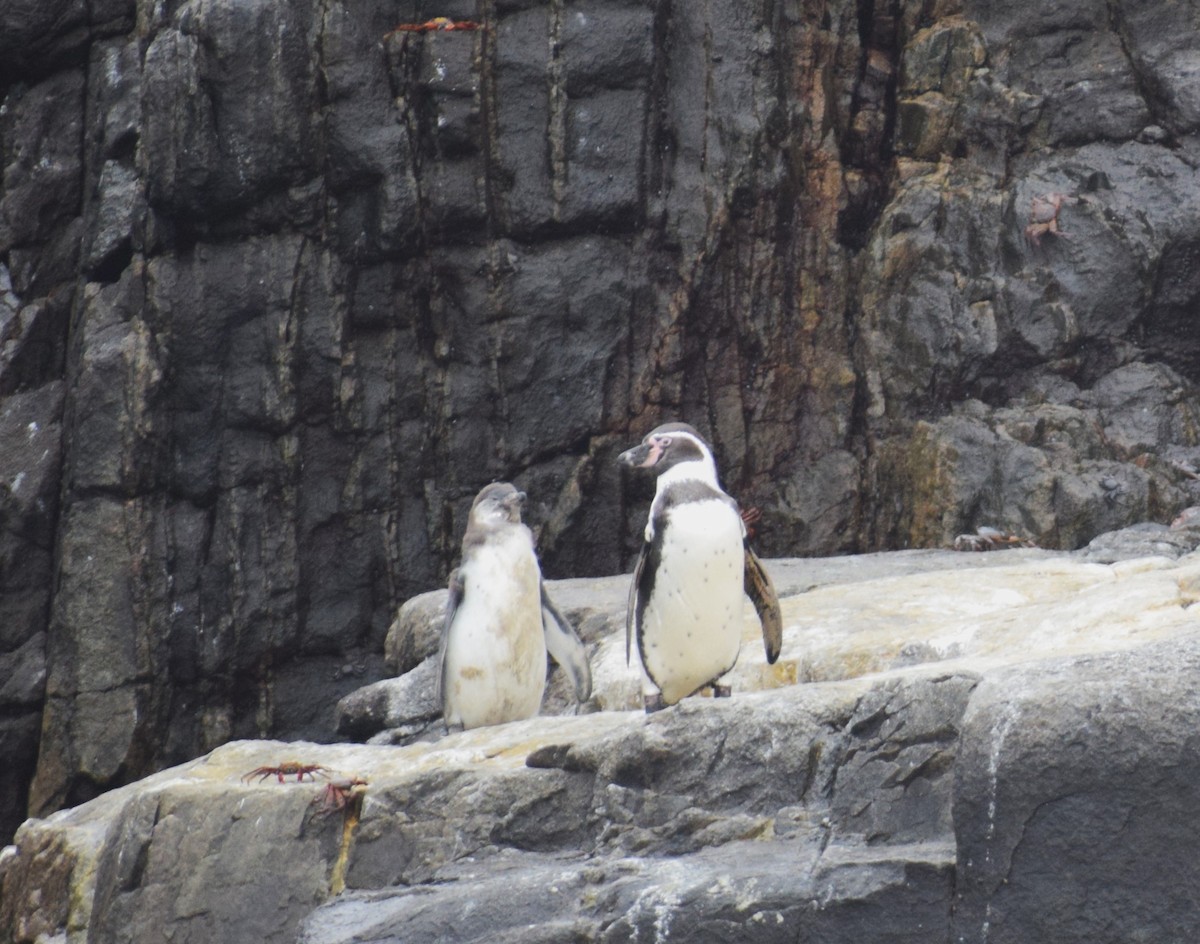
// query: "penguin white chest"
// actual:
[[495, 667], [691, 627]]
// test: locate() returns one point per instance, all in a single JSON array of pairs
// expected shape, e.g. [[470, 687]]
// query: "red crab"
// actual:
[[751, 517], [1188, 518], [441, 24], [989, 539], [1043, 217], [339, 794], [287, 767]]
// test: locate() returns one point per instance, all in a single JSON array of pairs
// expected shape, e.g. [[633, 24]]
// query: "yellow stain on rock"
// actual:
[[350, 817]]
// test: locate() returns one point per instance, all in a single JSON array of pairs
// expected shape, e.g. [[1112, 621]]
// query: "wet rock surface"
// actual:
[[992, 747], [286, 288]]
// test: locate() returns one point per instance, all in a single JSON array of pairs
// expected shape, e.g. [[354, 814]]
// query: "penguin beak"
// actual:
[[513, 504], [642, 456]]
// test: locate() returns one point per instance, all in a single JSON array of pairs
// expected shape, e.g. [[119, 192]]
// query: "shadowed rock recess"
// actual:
[[281, 289]]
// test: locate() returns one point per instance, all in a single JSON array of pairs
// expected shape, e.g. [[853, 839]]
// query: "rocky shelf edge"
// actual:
[[996, 747]]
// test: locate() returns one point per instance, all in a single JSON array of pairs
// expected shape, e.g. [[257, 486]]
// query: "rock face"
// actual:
[[281, 288], [990, 748]]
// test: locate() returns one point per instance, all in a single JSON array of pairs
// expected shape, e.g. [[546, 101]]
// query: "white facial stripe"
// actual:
[[697, 470]]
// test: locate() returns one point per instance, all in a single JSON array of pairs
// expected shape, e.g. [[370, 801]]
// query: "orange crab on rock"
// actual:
[[989, 539], [287, 768], [442, 24]]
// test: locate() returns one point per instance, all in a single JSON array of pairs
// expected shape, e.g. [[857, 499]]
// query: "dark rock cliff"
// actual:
[[281, 289]]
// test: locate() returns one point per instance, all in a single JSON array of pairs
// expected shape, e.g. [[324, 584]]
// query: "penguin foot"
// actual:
[[722, 691], [653, 703]]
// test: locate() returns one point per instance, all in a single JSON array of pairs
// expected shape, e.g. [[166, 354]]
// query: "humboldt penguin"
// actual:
[[500, 622], [694, 569]]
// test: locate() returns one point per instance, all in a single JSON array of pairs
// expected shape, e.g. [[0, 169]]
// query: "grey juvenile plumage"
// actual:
[[500, 622]]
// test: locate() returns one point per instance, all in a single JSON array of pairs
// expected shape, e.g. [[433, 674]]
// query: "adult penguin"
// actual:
[[693, 573]]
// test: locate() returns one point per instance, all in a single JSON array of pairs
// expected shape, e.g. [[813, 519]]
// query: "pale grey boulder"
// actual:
[[989, 747], [1075, 796]]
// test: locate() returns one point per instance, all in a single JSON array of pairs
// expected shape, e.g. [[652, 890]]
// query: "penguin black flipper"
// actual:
[[761, 592], [565, 647], [635, 603], [457, 586]]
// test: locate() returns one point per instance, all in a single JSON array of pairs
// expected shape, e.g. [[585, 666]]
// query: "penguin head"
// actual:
[[497, 504], [669, 446]]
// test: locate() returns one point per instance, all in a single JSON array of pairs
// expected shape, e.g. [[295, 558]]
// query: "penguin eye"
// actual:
[[664, 441]]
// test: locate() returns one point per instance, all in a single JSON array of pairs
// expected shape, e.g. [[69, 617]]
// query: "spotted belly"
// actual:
[[691, 626], [495, 668]]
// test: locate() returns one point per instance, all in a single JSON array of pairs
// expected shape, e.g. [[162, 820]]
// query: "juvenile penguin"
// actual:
[[695, 567], [500, 622]]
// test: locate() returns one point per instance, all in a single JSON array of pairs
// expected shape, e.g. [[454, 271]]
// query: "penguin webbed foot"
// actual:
[[581, 708], [653, 703], [722, 691]]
